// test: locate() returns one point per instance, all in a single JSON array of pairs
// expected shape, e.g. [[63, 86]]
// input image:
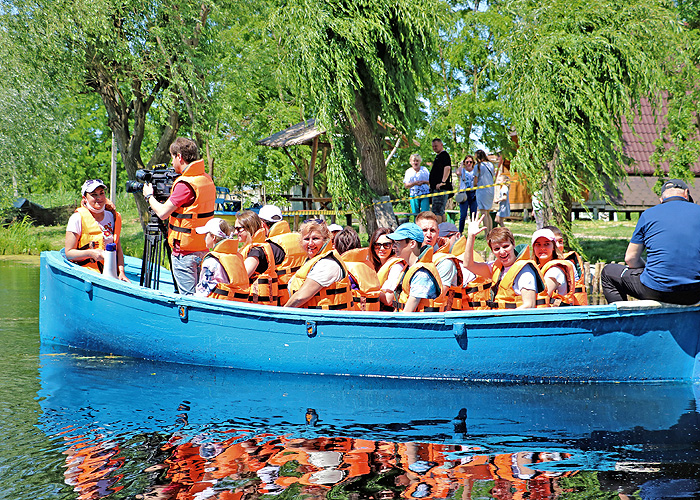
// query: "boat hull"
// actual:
[[629, 342]]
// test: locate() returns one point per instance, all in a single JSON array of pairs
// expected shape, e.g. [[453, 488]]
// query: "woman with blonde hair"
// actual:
[[322, 282]]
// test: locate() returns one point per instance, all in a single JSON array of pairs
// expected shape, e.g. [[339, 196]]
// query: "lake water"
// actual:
[[78, 425]]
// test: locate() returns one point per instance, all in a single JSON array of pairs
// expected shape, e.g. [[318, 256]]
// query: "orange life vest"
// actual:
[[477, 293], [263, 286], [502, 294], [383, 275], [226, 253], [454, 294], [336, 296], [568, 268], [366, 297], [281, 227], [294, 258], [91, 235], [425, 261], [184, 220], [580, 292]]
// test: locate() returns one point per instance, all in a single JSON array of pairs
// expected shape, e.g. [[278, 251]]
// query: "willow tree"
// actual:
[[143, 60], [576, 68], [356, 62]]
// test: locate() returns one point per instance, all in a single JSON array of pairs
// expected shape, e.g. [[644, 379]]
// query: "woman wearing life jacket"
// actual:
[[261, 257], [558, 274], [223, 275], [322, 282], [94, 224], [388, 265], [516, 282], [580, 291], [364, 283]]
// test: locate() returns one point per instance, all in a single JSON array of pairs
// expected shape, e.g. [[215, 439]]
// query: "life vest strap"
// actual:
[[336, 291], [332, 307], [192, 216], [179, 229], [369, 300]]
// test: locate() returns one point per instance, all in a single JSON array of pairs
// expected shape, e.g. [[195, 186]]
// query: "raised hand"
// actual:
[[475, 225]]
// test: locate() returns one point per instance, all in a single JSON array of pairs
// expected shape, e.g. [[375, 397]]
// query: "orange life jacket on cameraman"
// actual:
[[383, 275], [502, 294], [454, 294], [366, 297], [184, 220], [425, 261], [580, 291], [294, 258], [91, 236], [568, 269], [226, 253], [281, 227], [336, 296], [263, 286]]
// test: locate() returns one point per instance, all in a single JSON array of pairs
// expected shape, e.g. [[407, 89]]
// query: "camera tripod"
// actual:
[[155, 240]]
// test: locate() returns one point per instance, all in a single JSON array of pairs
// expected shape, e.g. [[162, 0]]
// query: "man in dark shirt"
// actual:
[[670, 232], [440, 178]]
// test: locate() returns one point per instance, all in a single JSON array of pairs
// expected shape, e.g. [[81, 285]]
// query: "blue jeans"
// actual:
[[186, 271], [420, 205], [469, 205]]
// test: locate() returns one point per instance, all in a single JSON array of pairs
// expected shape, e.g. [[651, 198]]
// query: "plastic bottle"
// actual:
[[110, 262]]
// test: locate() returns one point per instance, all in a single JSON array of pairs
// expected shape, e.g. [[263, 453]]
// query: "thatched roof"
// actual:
[[301, 133]]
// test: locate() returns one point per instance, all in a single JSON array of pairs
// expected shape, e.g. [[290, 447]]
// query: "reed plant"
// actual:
[[20, 238]]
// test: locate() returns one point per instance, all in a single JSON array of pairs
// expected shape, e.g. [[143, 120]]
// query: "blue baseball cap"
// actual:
[[407, 231]]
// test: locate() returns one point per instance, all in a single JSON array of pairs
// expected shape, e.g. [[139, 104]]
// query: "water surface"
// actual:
[[81, 425]]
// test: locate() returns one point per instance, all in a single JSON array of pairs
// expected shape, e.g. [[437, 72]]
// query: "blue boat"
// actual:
[[624, 342]]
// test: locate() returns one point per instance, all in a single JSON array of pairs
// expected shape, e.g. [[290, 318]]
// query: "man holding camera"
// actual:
[[191, 205]]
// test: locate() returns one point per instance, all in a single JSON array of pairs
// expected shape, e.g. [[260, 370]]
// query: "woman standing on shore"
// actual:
[[417, 181]]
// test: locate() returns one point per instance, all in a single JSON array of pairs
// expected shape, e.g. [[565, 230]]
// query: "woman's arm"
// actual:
[[120, 263], [529, 299], [304, 294], [251, 264], [73, 254], [478, 268]]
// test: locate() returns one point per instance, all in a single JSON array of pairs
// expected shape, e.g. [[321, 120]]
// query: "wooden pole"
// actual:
[[113, 171]]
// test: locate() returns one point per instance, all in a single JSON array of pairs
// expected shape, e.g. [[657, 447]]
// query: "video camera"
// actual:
[[160, 176]]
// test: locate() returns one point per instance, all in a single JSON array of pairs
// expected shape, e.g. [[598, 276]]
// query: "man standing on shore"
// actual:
[[440, 178], [190, 205], [670, 232]]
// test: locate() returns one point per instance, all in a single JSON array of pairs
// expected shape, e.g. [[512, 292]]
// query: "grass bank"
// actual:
[[601, 241]]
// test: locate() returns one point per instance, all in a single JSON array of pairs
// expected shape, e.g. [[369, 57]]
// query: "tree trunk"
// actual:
[[369, 141], [557, 205]]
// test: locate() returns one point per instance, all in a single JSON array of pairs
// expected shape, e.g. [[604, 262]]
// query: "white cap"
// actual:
[[543, 233], [270, 213], [90, 185], [335, 227], [213, 227]]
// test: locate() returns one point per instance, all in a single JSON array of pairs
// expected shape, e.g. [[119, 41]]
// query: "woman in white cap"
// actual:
[[94, 224], [223, 273], [559, 274]]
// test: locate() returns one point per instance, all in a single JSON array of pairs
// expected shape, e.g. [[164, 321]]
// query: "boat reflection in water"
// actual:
[[154, 430]]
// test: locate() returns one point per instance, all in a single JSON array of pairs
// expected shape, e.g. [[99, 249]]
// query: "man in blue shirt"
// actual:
[[670, 232]]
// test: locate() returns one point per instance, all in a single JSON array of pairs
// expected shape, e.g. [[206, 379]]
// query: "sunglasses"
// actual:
[[383, 245], [317, 221], [238, 229]]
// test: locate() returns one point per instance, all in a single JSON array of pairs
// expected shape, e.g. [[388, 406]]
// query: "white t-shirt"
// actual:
[[525, 280], [467, 275], [326, 272], [448, 272], [392, 279], [75, 225], [212, 274], [558, 275]]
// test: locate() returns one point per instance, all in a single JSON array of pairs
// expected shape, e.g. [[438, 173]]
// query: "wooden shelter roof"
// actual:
[[303, 133]]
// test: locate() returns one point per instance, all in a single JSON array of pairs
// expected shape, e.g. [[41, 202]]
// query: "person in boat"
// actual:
[[580, 292], [420, 287], [222, 265], [335, 230], [670, 233], [93, 225], [517, 283], [558, 274], [364, 282], [388, 266], [274, 224], [261, 256], [322, 282], [191, 205], [446, 263]]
